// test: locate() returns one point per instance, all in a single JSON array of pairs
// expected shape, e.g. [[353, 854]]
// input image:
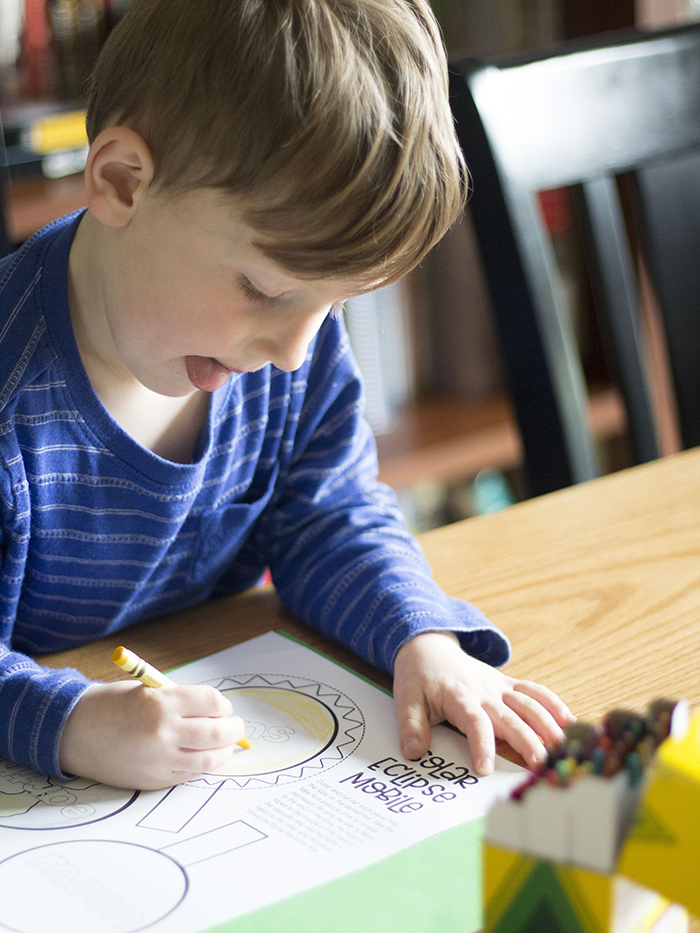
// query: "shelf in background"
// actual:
[[451, 439], [35, 201]]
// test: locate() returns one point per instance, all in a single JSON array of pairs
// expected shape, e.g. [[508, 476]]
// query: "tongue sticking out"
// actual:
[[206, 373]]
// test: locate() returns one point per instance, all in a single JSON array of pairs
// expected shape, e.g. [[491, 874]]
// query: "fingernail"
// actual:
[[485, 766]]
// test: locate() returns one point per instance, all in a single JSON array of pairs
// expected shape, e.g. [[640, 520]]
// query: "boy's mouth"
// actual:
[[206, 373]]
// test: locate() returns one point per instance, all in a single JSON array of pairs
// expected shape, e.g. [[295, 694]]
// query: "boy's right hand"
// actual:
[[128, 735]]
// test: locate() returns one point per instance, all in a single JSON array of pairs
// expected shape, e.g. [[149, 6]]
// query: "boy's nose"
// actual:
[[289, 346]]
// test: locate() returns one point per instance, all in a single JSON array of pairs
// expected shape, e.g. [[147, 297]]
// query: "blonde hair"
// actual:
[[328, 119]]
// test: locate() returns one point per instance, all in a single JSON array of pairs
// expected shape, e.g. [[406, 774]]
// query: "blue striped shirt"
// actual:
[[99, 532]]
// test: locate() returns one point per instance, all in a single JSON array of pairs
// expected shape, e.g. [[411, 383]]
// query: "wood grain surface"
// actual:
[[597, 586]]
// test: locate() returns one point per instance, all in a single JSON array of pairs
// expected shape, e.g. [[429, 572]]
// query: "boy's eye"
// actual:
[[250, 291]]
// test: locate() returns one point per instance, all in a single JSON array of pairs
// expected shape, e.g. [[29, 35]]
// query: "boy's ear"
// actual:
[[118, 172]]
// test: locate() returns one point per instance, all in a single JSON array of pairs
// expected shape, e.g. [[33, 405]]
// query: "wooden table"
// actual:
[[597, 586]]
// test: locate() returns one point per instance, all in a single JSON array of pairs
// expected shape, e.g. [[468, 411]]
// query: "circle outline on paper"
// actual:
[[339, 729], [75, 902], [41, 802]]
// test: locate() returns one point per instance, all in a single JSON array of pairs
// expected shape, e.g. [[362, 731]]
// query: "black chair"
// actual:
[[585, 115]]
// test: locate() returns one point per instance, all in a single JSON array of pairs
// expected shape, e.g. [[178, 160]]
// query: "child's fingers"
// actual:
[[532, 712], [520, 736], [476, 724], [412, 716], [190, 764], [551, 702], [177, 765], [199, 700], [210, 733]]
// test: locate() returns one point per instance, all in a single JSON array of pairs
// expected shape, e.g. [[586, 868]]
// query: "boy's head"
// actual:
[[328, 120]]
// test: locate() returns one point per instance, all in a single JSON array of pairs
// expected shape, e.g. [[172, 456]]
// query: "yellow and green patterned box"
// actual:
[[657, 871]]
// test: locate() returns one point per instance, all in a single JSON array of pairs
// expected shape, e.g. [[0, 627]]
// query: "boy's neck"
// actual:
[[168, 426]]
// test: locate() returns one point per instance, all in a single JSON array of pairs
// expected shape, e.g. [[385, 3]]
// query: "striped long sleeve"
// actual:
[[342, 558], [34, 705]]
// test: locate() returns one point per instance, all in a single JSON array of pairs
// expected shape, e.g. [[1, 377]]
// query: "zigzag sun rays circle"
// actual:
[[296, 726]]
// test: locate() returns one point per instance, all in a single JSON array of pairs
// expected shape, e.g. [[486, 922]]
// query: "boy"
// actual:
[[179, 407]]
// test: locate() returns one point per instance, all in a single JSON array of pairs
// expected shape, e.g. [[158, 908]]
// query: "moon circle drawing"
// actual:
[[296, 727], [92, 885]]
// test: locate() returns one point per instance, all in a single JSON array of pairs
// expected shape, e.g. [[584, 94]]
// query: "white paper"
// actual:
[[322, 791]]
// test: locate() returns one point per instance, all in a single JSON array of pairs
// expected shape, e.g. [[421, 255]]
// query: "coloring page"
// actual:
[[322, 791]]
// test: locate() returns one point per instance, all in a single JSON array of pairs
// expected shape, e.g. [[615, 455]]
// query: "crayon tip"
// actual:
[[118, 655], [244, 743]]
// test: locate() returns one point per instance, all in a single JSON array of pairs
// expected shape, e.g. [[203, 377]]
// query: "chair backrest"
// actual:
[[582, 116]]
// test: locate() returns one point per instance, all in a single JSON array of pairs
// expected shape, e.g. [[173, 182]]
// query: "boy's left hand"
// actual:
[[435, 680]]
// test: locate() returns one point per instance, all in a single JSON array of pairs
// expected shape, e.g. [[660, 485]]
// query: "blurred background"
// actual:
[[435, 398]]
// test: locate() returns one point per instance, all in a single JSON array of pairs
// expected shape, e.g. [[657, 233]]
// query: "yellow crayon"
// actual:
[[140, 669], [148, 675]]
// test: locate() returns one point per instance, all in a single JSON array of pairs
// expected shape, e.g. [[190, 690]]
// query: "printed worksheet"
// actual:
[[322, 791]]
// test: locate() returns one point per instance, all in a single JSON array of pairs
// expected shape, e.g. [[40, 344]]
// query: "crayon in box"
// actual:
[[602, 841]]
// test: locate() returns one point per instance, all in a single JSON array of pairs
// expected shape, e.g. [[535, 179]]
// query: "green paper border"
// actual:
[[433, 886]]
